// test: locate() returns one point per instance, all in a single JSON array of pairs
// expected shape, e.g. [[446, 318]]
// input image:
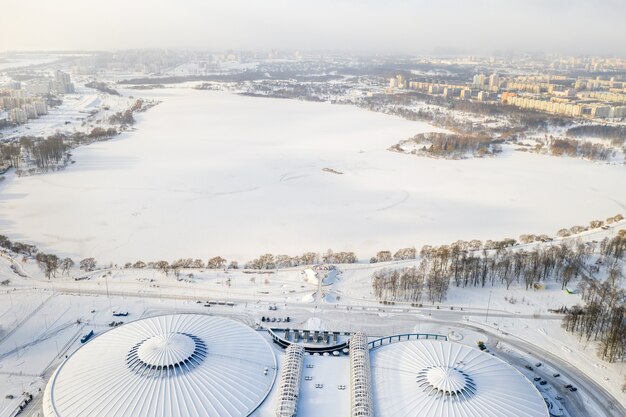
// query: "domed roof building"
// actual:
[[176, 365], [431, 378]]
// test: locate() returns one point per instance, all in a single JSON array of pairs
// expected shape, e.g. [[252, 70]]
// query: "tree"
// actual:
[[216, 262], [88, 264], [405, 253], [563, 233], [163, 266], [48, 263], [5, 283], [66, 265], [265, 261]]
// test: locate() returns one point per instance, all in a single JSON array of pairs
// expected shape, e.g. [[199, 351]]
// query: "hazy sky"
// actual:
[[393, 26]]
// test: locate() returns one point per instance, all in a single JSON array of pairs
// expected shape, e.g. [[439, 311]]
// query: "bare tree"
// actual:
[[88, 264]]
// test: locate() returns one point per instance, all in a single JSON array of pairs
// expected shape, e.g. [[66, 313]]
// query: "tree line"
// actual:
[[456, 264], [575, 148], [450, 145], [601, 319]]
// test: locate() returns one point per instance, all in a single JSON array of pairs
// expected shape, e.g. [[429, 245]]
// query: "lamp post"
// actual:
[[488, 304]]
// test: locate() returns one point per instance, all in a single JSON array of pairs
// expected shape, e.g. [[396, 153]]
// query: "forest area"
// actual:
[[565, 146], [449, 145], [602, 318]]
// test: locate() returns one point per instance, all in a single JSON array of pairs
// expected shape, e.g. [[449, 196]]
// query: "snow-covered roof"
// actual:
[[445, 379], [175, 365]]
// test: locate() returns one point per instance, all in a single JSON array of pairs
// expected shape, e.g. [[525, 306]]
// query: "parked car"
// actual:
[[556, 375], [86, 337], [537, 378], [573, 389]]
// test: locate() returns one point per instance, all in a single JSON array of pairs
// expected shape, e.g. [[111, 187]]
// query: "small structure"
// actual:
[[289, 388], [360, 377]]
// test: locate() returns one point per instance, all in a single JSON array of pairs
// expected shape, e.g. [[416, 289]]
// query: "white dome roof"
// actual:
[[444, 379], [176, 365]]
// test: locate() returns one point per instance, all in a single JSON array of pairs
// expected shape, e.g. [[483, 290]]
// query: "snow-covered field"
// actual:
[[212, 173]]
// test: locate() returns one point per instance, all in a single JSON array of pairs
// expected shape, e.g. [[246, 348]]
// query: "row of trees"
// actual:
[[440, 266], [265, 261], [616, 134], [449, 145], [602, 318], [269, 261], [576, 148], [574, 230], [51, 151], [126, 117]]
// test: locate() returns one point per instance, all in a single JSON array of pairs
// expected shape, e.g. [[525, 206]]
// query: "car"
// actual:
[[556, 375], [538, 364], [530, 368], [573, 389], [543, 382], [558, 398], [537, 378], [568, 386]]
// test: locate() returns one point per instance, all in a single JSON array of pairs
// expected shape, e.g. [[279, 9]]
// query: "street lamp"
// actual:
[[488, 304]]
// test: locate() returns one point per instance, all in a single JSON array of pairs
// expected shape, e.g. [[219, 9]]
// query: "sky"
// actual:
[[371, 26]]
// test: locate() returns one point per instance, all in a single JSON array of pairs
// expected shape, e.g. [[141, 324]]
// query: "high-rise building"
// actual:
[[479, 80], [494, 82], [18, 116], [63, 83]]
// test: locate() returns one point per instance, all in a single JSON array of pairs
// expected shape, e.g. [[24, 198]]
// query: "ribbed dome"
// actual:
[[446, 380], [185, 365], [166, 349]]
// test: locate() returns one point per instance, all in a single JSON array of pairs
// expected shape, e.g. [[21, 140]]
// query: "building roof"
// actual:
[[446, 379], [175, 365]]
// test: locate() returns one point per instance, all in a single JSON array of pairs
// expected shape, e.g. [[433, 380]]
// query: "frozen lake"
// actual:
[[212, 173]]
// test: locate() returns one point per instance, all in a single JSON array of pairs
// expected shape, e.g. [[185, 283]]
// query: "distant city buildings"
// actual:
[[22, 101], [398, 82], [594, 98]]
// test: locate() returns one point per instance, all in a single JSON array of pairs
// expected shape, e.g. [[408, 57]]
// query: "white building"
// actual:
[[434, 378], [18, 116], [63, 83], [181, 365], [41, 107]]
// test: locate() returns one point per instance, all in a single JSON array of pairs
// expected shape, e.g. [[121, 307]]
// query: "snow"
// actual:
[[329, 400], [212, 173]]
